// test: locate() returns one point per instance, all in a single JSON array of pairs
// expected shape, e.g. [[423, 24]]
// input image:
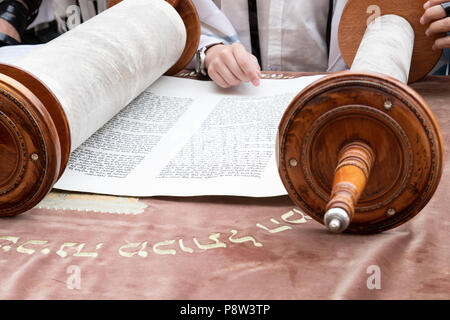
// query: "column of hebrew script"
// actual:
[[236, 140]]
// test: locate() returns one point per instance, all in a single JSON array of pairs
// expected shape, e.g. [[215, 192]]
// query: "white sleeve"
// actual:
[[206, 40], [214, 23], [216, 28]]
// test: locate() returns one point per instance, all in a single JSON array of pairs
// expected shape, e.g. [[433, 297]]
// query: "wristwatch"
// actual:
[[200, 66]]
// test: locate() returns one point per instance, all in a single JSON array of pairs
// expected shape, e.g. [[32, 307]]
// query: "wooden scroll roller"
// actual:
[[361, 151], [63, 92]]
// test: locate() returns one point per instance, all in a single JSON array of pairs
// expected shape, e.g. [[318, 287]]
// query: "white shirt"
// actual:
[[292, 32]]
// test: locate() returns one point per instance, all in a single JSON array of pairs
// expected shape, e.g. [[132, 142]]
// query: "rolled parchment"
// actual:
[[99, 67], [387, 47]]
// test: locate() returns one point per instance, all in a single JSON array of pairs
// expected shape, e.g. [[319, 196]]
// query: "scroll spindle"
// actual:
[[352, 173]]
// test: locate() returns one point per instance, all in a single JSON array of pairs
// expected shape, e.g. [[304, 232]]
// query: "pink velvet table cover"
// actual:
[[81, 246]]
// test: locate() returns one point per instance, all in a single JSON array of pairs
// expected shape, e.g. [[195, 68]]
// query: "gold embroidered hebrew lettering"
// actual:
[[243, 239], [23, 249], [157, 250], [217, 243], [10, 239]]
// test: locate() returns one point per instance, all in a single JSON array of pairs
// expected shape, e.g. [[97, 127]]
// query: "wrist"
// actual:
[[212, 51], [201, 65]]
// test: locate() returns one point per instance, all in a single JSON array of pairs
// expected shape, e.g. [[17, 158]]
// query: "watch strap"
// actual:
[[446, 6]]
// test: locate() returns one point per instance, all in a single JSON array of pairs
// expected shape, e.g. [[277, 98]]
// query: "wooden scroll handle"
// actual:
[[352, 173]]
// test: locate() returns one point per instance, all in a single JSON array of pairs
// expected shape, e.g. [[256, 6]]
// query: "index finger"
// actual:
[[432, 3], [248, 63], [432, 14]]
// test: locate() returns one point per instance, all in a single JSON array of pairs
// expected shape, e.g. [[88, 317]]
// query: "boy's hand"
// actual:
[[440, 23], [228, 66]]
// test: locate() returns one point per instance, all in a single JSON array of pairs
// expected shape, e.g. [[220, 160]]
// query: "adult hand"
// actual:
[[229, 65], [440, 23]]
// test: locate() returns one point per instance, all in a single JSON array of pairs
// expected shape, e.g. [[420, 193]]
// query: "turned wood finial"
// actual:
[[352, 173]]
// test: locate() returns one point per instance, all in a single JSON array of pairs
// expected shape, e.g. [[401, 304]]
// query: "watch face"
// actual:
[[200, 61]]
